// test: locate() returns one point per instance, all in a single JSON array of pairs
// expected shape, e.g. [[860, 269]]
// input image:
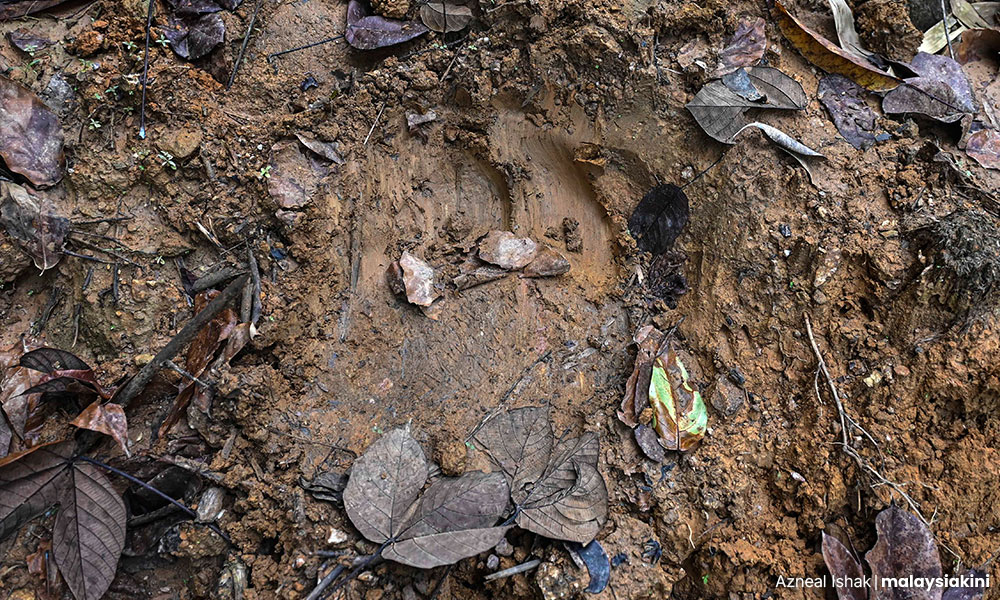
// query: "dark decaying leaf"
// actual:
[[385, 482], [844, 567], [445, 18], [14, 404], [828, 56], [88, 535], [557, 487], [941, 90], [25, 41], [50, 360], [14, 10], [446, 548], [659, 218], [327, 150], [720, 111], [108, 419], [648, 340], [193, 37], [327, 486], [598, 564], [193, 7], [970, 592], [984, 147], [366, 32], [295, 176], [31, 139], [744, 49], [649, 443], [679, 414], [854, 119], [905, 547], [30, 220]]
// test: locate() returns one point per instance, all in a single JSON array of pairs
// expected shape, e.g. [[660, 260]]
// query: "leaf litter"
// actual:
[[852, 116], [31, 138], [445, 18], [30, 219], [744, 49], [941, 91], [368, 32]]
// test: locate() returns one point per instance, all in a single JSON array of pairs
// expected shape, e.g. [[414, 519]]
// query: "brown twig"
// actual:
[[243, 47], [139, 382]]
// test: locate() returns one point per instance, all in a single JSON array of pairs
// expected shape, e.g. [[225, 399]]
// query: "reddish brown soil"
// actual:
[[340, 359]]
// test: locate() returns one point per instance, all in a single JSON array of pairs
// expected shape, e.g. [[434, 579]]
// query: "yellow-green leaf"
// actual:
[[679, 415]]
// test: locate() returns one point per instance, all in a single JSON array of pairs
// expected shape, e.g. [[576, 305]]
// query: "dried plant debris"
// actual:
[[941, 92], [744, 49], [327, 150], [854, 119], [828, 56], [453, 519], [88, 535], [107, 418], [367, 32], [194, 36], [847, 34], [659, 219], [25, 41], [905, 549], [31, 139], [16, 9], [30, 219], [555, 485], [445, 18], [295, 177], [984, 147], [662, 394]]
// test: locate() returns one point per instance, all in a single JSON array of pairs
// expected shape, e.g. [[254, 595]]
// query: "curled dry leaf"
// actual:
[[847, 35], [744, 49], [648, 339], [445, 18], [679, 414], [30, 219], [984, 147], [31, 139], [506, 250], [366, 32], [108, 419], [557, 488], [88, 535], [453, 519], [659, 218], [854, 119], [905, 547], [193, 37], [327, 150], [826, 55], [967, 14], [844, 567]]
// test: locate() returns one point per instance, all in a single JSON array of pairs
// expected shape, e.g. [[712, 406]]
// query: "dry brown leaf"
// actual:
[[30, 219], [843, 566], [826, 55], [31, 139], [984, 147], [744, 49], [14, 10], [905, 548], [108, 419], [445, 18]]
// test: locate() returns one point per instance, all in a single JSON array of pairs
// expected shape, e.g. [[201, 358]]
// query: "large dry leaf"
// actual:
[[30, 483], [439, 549], [972, 591], [31, 139], [721, 112], [744, 49], [855, 120], [679, 414], [385, 481], [905, 547], [968, 15], [844, 567], [576, 515], [88, 535], [659, 218], [847, 35], [826, 55], [519, 442], [941, 91], [366, 32], [15, 9], [193, 37], [472, 501], [30, 219], [445, 18], [51, 360], [108, 419]]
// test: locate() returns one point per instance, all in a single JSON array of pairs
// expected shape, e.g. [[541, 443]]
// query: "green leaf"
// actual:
[[679, 414]]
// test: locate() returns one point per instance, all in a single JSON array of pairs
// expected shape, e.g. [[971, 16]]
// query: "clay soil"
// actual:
[[547, 110]]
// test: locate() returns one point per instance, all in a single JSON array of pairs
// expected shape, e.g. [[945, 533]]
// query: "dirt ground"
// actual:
[[865, 249]]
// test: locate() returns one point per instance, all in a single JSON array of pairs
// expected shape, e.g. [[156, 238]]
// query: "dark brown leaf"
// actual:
[[193, 7], [31, 482], [366, 32], [385, 482], [193, 37], [108, 419], [984, 147], [855, 120], [14, 402], [472, 501], [13, 10], [905, 547], [30, 220], [439, 549], [445, 18], [519, 442], [659, 218], [576, 514], [25, 41], [744, 49], [51, 360], [844, 567], [941, 92], [649, 443], [648, 340], [31, 139], [88, 535], [970, 592]]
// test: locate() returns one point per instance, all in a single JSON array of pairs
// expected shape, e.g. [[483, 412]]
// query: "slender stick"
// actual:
[[145, 73], [243, 47], [273, 55], [146, 486], [374, 123], [944, 23], [521, 568], [829, 380], [325, 583], [139, 382]]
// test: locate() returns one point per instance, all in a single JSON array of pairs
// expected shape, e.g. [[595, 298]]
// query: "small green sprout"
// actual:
[[265, 172], [166, 159]]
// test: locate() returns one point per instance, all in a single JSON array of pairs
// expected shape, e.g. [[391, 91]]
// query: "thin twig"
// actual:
[[374, 123], [145, 72], [138, 383], [325, 582], [944, 23], [521, 568], [829, 380], [243, 47], [173, 367], [273, 55]]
